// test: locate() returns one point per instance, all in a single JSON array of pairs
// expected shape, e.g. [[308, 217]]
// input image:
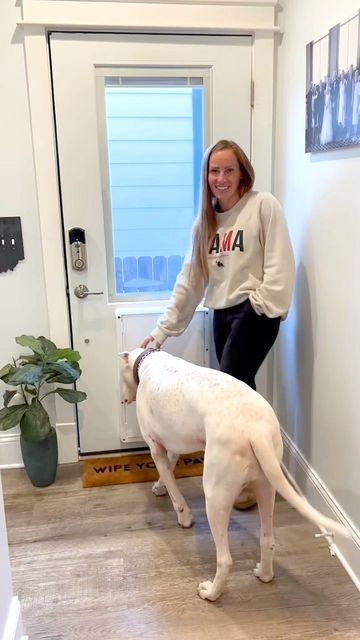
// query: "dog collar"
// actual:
[[139, 360]]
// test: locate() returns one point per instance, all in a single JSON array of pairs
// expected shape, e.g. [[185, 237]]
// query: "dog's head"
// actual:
[[128, 385]]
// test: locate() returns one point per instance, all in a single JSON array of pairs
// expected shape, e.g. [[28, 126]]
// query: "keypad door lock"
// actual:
[[78, 249]]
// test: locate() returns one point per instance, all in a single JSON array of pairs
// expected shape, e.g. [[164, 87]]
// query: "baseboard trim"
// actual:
[[307, 482], [10, 452], [13, 627]]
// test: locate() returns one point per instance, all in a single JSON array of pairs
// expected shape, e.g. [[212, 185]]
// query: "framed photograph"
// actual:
[[332, 95]]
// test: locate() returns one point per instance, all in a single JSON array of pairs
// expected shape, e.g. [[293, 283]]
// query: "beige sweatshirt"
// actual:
[[251, 257]]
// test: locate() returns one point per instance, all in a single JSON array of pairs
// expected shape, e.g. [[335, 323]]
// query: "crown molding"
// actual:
[[175, 16]]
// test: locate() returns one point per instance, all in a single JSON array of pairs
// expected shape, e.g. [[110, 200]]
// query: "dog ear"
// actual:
[[124, 355]]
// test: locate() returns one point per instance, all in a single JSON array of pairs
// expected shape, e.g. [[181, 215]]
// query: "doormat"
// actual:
[[139, 467]]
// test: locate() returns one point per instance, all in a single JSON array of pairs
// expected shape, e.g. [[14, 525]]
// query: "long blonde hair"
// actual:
[[205, 225]]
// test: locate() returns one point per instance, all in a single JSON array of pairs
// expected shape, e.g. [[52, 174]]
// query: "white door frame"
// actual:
[[220, 17]]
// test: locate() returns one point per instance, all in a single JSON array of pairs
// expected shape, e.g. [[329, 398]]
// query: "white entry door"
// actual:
[[126, 286]]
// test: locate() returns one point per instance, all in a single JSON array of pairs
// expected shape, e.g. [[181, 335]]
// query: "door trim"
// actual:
[[233, 16], [44, 142]]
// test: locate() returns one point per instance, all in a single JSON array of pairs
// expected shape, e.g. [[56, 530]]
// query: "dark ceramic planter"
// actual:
[[41, 459]]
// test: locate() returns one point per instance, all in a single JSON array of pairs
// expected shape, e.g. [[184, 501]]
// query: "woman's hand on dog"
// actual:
[[147, 342]]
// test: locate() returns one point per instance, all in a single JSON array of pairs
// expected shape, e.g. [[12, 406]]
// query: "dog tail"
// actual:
[[265, 454]]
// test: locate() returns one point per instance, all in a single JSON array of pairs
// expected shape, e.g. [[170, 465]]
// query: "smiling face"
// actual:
[[224, 176]]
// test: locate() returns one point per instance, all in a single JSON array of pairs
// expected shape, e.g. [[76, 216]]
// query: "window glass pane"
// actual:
[[155, 146]]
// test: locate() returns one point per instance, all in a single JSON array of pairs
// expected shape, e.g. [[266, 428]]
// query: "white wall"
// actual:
[[10, 616], [22, 292], [318, 353], [23, 302]]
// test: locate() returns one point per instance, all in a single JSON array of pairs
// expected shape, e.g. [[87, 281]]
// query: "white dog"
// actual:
[[182, 408]]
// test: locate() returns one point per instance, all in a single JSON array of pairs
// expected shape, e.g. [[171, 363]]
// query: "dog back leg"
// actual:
[[164, 467], [222, 482], [265, 495], [159, 488]]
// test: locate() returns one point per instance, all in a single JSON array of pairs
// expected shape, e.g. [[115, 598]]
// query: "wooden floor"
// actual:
[[111, 563]]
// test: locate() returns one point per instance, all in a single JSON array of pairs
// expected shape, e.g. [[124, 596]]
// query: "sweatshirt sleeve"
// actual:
[[273, 296], [186, 296]]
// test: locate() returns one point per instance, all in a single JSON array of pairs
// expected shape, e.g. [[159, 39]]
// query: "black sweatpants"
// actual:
[[242, 340]]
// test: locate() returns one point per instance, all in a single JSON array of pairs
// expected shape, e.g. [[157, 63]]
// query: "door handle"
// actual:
[[81, 291]]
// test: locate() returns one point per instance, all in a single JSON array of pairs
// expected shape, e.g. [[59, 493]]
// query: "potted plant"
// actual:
[[31, 375]]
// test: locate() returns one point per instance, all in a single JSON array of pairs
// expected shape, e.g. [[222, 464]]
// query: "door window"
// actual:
[[154, 137]]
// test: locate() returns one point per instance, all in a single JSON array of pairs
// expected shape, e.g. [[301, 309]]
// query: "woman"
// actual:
[[242, 259]]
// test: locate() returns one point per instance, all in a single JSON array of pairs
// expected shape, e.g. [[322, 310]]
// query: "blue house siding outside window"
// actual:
[[155, 146]]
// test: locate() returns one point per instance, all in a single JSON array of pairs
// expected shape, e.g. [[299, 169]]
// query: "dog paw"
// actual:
[[263, 575], [185, 518], [159, 489], [206, 591]]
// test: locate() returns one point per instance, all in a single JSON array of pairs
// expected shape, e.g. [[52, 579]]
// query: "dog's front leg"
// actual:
[[163, 465], [159, 488]]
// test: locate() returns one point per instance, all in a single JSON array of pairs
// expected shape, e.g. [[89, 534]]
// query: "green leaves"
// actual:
[[26, 374], [33, 373], [46, 349], [8, 396], [47, 364], [70, 395], [10, 417], [35, 423], [63, 372], [35, 359], [5, 370], [64, 354], [48, 346], [33, 343]]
